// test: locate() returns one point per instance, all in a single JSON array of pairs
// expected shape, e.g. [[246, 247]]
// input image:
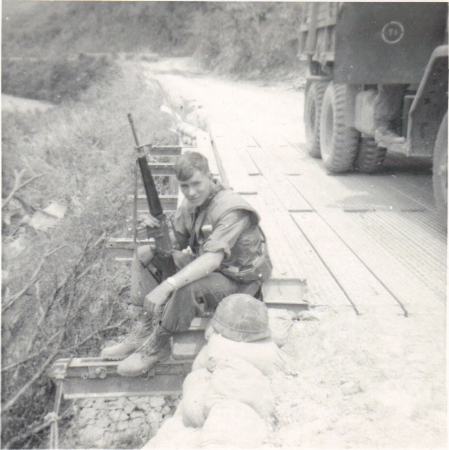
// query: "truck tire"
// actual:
[[312, 114], [439, 176], [339, 143], [370, 156]]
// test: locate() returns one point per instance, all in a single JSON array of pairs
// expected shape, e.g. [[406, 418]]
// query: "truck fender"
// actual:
[[429, 105]]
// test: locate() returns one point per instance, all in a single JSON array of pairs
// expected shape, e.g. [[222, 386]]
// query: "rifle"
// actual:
[[161, 235]]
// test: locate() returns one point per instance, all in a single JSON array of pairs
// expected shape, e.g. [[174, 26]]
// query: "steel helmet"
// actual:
[[242, 318]]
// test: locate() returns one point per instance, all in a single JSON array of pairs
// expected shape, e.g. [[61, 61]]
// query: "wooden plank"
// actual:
[[421, 190], [362, 288], [419, 251], [285, 191], [373, 245], [291, 253], [403, 275], [241, 142], [389, 195], [346, 193], [393, 198], [275, 222], [238, 178], [204, 146], [288, 160]]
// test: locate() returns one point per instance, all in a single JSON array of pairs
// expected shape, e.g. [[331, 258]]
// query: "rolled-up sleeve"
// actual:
[[227, 231]]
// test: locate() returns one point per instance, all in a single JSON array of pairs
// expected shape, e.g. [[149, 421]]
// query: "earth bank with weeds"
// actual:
[[61, 291]]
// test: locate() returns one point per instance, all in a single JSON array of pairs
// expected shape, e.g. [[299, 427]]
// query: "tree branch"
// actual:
[[18, 186], [91, 335], [11, 366], [48, 361], [62, 330], [26, 206], [63, 284], [37, 429], [41, 370], [17, 177], [13, 298]]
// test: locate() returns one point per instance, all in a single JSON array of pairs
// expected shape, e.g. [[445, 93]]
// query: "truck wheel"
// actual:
[[440, 171], [339, 143], [370, 156], [312, 113]]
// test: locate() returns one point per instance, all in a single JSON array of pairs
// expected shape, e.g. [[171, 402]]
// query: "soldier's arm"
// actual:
[[197, 269]]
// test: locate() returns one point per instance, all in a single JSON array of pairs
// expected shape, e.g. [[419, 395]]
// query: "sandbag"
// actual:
[[233, 423], [194, 390], [209, 331], [178, 410], [200, 362], [236, 379], [173, 434], [264, 354], [280, 323]]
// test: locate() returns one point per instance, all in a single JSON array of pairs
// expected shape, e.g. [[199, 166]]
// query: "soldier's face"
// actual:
[[197, 188]]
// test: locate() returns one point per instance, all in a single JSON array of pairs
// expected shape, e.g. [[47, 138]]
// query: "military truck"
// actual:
[[377, 81]]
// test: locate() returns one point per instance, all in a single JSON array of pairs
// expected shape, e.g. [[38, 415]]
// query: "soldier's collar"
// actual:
[[217, 186]]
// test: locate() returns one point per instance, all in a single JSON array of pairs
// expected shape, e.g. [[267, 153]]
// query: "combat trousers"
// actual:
[[189, 301]]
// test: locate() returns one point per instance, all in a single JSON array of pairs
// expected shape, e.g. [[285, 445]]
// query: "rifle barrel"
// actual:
[[131, 121], [154, 202]]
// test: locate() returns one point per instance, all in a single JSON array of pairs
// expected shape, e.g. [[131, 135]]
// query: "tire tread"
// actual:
[[370, 156], [313, 142], [346, 139]]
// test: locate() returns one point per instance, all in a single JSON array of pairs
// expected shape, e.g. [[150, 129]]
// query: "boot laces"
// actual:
[[155, 343], [138, 328]]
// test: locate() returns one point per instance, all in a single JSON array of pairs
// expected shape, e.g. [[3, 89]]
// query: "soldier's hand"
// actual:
[[149, 221], [155, 300]]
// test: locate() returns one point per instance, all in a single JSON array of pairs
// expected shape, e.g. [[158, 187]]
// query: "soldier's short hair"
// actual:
[[188, 162]]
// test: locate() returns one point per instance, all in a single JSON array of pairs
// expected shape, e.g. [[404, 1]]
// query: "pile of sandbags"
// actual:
[[227, 398]]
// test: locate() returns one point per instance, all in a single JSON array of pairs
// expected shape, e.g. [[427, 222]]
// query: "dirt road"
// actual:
[[371, 371], [11, 103]]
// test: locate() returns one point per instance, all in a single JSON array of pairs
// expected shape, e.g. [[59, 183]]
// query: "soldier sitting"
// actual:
[[222, 251]]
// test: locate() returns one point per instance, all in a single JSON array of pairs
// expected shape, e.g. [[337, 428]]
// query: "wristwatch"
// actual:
[[171, 280]]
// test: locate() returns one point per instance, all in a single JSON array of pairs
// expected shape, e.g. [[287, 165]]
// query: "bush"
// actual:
[[250, 38], [54, 80], [247, 37]]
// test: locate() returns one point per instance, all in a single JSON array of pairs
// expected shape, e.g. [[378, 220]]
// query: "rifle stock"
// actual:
[[161, 234]]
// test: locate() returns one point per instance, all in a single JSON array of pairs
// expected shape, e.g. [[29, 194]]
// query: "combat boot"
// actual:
[[140, 331], [156, 348]]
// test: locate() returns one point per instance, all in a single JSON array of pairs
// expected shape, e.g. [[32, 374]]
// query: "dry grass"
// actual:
[[85, 150]]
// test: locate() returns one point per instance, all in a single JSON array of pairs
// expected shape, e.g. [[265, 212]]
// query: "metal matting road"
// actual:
[[372, 243]]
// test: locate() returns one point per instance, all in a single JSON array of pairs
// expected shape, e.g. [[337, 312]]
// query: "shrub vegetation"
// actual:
[[54, 79], [60, 288], [248, 38]]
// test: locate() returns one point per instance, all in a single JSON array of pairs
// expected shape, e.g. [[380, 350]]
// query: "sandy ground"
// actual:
[[367, 381], [371, 381]]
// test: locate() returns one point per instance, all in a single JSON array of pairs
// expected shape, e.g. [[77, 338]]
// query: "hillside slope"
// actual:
[[231, 36]]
